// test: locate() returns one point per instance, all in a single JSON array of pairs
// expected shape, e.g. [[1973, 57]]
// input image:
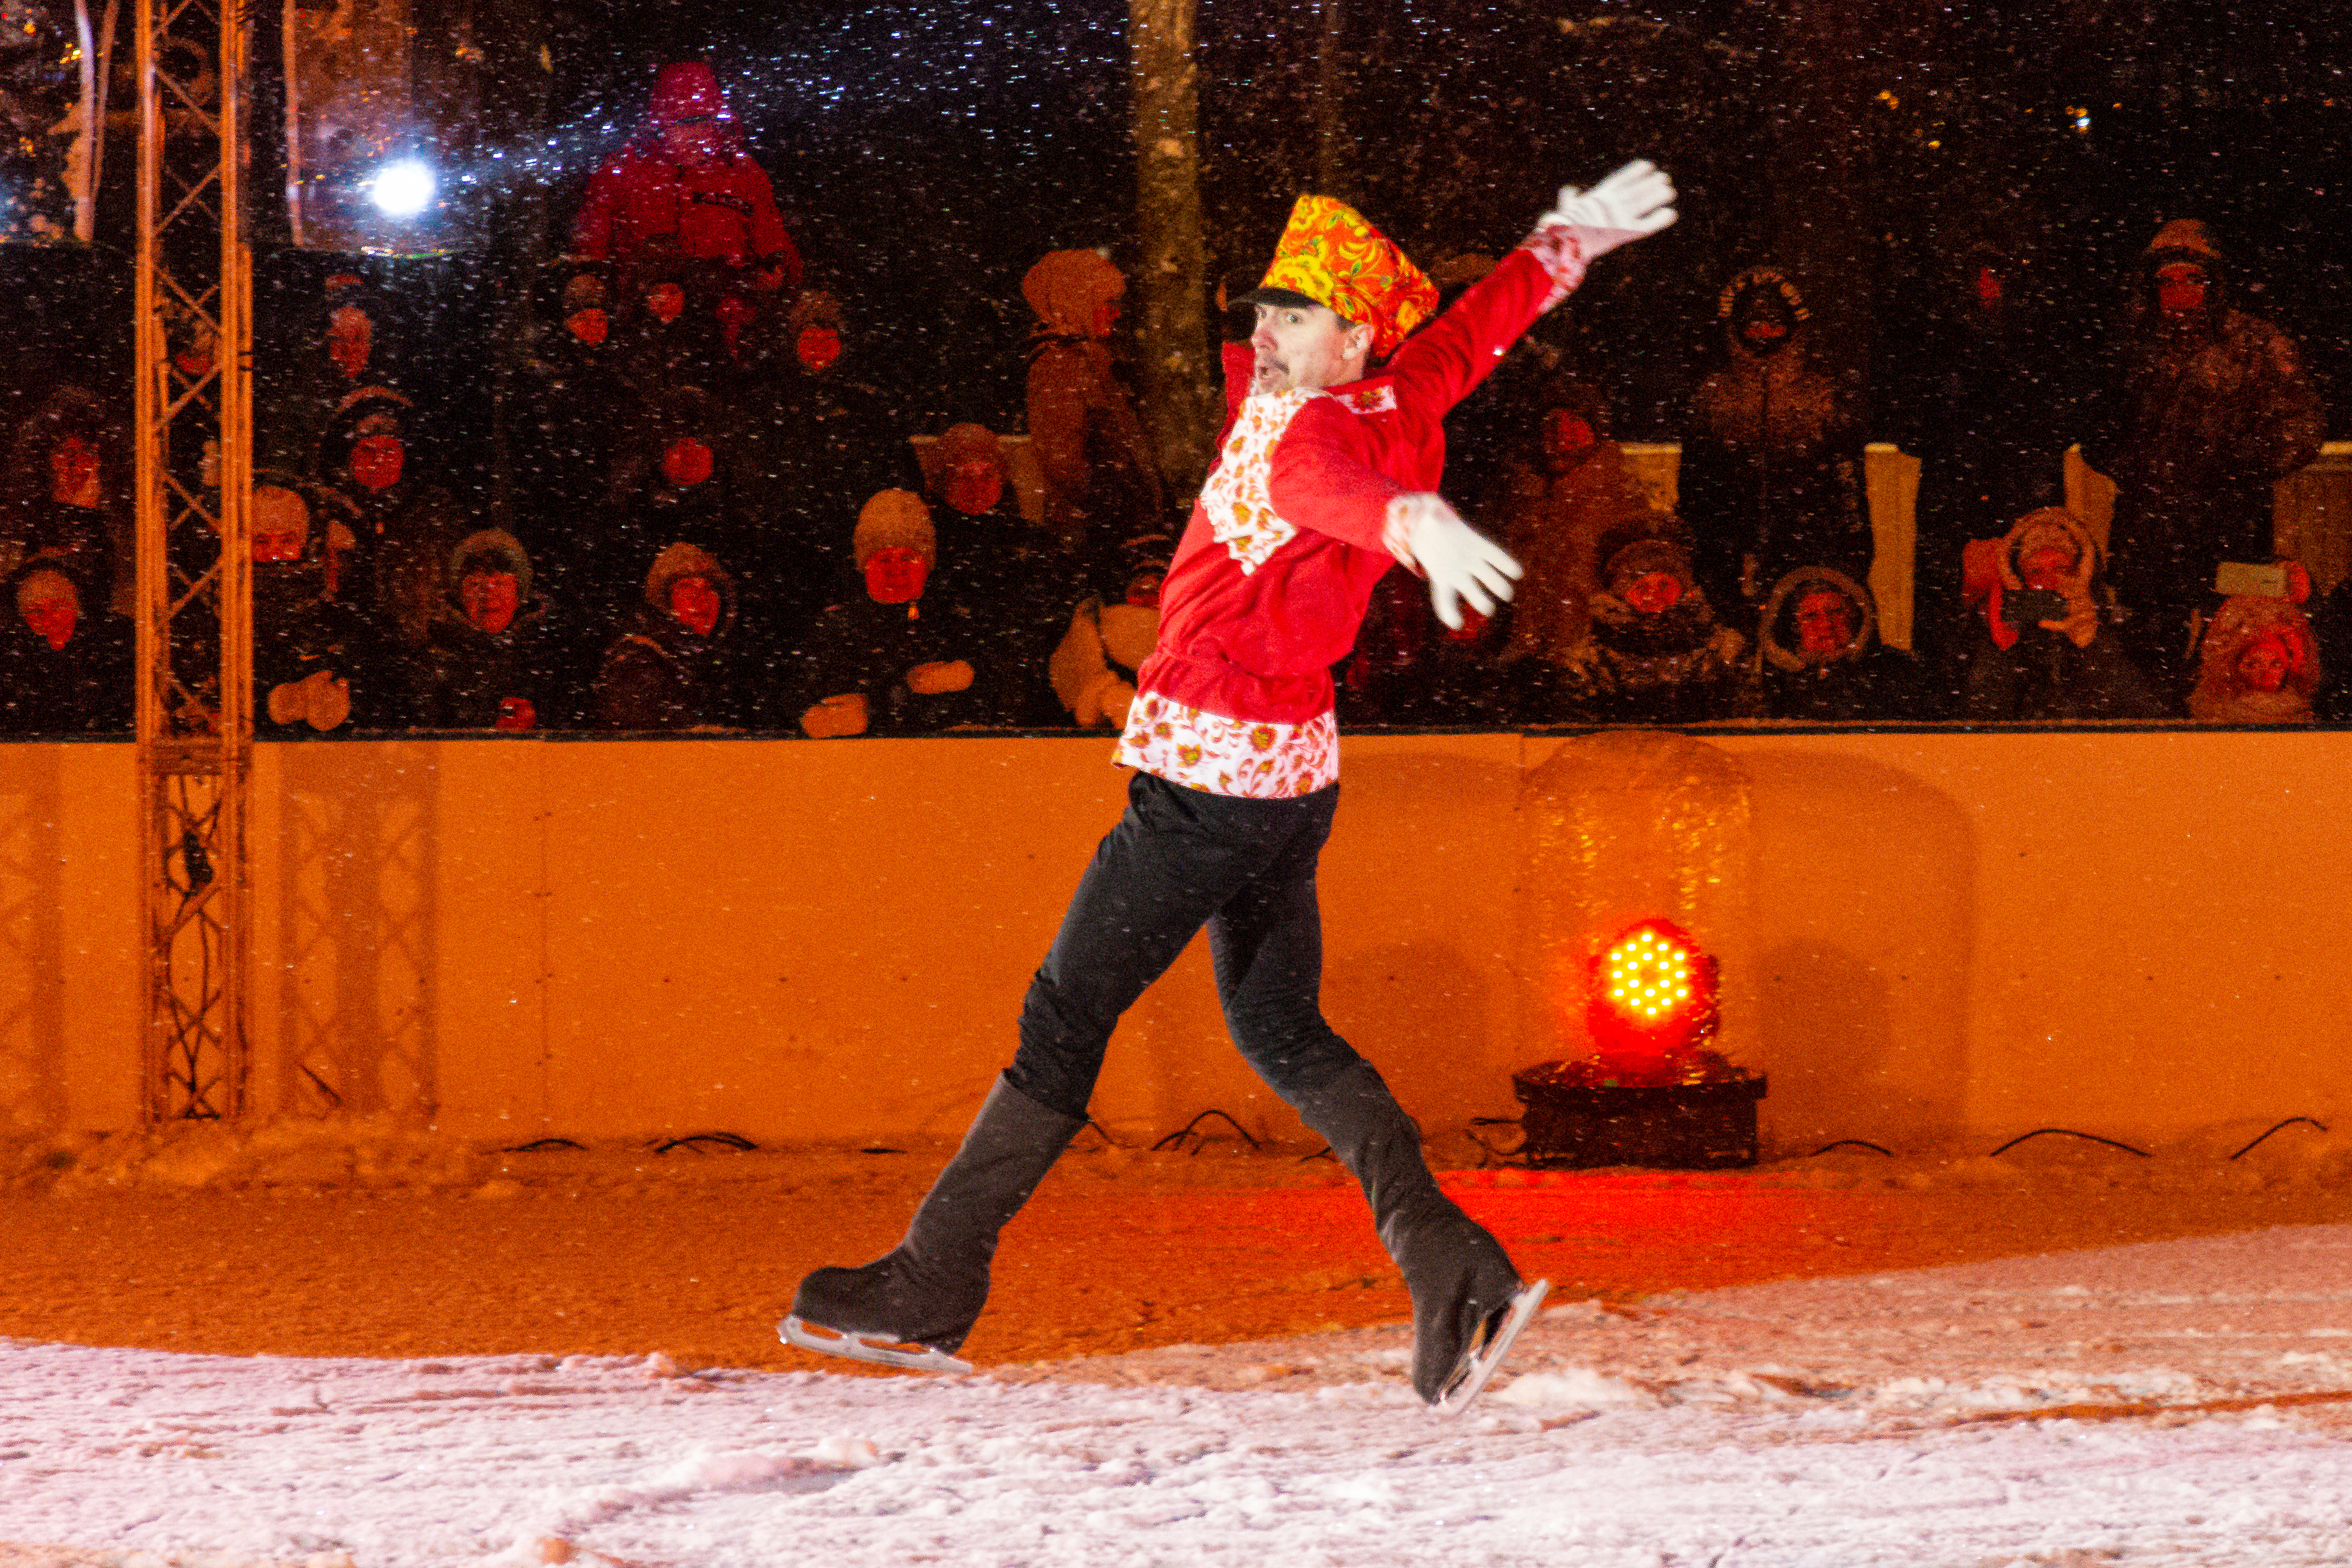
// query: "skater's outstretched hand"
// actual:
[[1636, 201], [1463, 565]]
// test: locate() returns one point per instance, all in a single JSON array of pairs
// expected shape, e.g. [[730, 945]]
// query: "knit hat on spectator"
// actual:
[[893, 517], [1328, 255], [1066, 287]]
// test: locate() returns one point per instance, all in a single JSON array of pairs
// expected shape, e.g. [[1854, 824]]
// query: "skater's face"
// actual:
[[1825, 621], [50, 607], [1307, 347], [490, 598], [894, 575], [695, 604], [1651, 592]]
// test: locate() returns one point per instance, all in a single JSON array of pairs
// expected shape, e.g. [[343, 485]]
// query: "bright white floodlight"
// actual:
[[403, 190]]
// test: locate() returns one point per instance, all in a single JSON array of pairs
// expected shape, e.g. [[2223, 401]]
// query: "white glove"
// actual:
[[1637, 200], [1463, 565]]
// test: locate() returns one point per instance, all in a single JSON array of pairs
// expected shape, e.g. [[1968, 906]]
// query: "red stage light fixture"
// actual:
[[1652, 1004], [1652, 1092]]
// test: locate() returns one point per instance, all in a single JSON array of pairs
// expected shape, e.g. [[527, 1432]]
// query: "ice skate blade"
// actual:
[[850, 1347], [1480, 1363]]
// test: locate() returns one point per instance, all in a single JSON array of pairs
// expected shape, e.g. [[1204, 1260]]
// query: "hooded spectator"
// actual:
[[831, 441], [1656, 654], [684, 184], [65, 669], [1771, 478], [1102, 477], [1820, 659], [486, 664], [373, 454], [2202, 408], [669, 669], [1978, 398], [1562, 485], [2258, 663], [318, 661], [2027, 665], [68, 496], [901, 657], [1112, 632]]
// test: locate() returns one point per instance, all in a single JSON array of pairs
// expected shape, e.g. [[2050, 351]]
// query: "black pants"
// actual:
[[1178, 860]]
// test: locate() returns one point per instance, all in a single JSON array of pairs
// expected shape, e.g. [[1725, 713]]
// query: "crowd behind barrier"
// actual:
[[718, 522]]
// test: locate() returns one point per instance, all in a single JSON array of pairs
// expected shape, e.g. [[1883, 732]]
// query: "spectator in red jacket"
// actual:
[[684, 186]]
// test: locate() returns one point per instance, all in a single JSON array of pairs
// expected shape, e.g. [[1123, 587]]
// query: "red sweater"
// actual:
[[1258, 644], [724, 211]]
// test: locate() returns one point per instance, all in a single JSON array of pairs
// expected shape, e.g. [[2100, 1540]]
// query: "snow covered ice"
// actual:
[[2174, 1402]]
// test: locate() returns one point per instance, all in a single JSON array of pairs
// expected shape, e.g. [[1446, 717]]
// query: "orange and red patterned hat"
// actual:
[[1329, 256]]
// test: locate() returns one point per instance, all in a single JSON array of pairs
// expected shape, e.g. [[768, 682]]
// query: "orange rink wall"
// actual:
[[1947, 935]]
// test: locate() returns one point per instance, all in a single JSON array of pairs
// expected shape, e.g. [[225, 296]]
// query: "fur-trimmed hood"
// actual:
[[1777, 632]]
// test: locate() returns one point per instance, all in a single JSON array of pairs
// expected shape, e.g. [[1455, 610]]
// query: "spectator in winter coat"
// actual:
[[1820, 657], [1561, 488], [668, 669], [1112, 632], [2200, 409], [343, 346], [64, 669], [1102, 477], [2029, 667], [578, 403], [318, 661], [831, 441], [1016, 576], [487, 664], [902, 657], [1655, 654], [1978, 399], [373, 454], [684, 184], [1771, 463], [2258, 663], [68, 494]]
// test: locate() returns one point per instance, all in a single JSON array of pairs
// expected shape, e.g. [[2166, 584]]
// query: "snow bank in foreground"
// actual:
[[2182, 1402]]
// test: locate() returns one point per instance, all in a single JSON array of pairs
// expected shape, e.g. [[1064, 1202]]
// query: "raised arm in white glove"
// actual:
[[1637, 200], [1463, 565]]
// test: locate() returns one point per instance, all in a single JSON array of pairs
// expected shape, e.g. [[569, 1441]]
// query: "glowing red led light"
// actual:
[[1652, 1004]]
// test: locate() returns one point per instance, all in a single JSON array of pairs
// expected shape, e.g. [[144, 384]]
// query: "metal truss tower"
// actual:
[[194, 413]]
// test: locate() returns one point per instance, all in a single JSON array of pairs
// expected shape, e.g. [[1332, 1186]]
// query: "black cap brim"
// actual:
[[1281, 299]]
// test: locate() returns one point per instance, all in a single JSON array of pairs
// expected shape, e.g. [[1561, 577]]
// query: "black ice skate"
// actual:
[[1487, 1350], [913, 1307], [1468, 1303]]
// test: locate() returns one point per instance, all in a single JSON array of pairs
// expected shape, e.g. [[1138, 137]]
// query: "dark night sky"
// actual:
[[927, 153]]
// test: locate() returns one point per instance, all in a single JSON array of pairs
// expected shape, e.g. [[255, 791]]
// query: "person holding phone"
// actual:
[[2042, 648]]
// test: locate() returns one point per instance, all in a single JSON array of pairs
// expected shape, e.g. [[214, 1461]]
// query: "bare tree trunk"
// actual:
[[1327, 131], [1172, 324]]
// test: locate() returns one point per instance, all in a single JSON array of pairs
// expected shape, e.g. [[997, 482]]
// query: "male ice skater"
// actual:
[[1324, 478]]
